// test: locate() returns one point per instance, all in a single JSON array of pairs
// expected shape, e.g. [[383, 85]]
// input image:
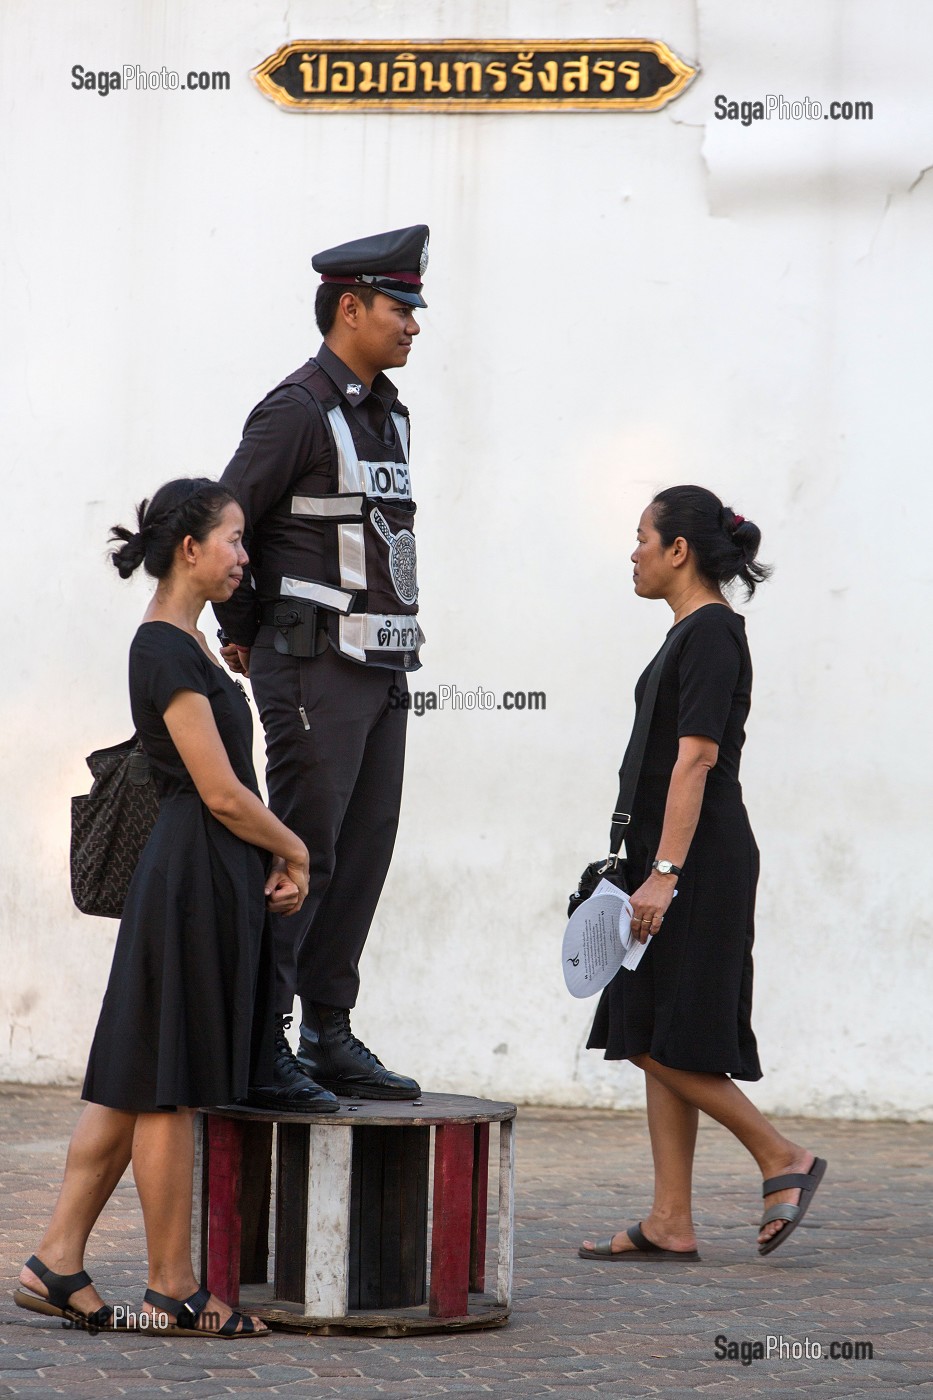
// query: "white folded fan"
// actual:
[[598, 941]]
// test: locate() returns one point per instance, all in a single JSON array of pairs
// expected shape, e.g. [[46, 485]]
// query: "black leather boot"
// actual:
[[291, 1090], [330, 1052]]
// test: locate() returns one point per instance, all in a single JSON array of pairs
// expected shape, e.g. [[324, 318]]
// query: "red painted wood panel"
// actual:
[[453, 1209], [224, 1177], [479, 1194]]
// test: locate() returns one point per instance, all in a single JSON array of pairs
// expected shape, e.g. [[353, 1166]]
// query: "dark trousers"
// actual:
[[338, 784]]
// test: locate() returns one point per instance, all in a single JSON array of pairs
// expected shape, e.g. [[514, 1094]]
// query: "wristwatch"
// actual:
[[666, 867]]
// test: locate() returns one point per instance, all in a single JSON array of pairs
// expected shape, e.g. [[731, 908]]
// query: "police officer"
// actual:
[[328, 633]]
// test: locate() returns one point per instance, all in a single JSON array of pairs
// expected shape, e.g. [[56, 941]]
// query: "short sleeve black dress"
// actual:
[[688, 1003], [187, 1015]]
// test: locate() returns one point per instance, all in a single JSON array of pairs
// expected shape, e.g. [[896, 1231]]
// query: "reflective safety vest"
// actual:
[[369, 596]]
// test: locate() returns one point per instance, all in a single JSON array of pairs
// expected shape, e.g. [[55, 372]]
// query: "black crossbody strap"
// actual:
[[630, 772]]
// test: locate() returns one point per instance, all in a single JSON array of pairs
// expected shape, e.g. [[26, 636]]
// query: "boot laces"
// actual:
[[282, 1048], [342, 1017]]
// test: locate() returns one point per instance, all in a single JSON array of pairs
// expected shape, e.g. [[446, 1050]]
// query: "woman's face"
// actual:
[[220, 556], [654, 571]]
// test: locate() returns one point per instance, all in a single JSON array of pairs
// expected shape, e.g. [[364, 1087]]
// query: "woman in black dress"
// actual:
[[684, 1015], [187, 1018]]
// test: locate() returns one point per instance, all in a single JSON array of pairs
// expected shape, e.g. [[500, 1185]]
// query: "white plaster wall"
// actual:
[[617, 302]]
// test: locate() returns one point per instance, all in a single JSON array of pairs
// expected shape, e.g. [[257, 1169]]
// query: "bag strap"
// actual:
[[630, 771]]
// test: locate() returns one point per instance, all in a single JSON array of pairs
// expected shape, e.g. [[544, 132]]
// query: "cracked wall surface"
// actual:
[[617, 302]]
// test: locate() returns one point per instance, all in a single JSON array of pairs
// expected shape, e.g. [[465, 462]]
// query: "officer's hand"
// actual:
[[237, 658], [283, 895], [299, 873]]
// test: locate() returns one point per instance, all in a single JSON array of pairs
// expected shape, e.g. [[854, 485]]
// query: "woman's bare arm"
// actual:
[[190, 722], [695, 757]]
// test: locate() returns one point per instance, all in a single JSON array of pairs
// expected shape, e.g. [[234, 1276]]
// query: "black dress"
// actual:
[[187, 1015], [688, 1004]]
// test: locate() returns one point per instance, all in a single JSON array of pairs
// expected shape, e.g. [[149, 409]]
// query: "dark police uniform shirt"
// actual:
[[287, 438]]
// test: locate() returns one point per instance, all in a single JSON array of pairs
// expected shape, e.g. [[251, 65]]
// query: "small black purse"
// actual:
[[110, 826], [615, 868]]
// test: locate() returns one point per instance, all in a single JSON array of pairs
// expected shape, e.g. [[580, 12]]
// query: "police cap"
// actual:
[[393, 263]]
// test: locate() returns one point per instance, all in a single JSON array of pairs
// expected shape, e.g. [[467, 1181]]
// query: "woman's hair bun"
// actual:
[[128, 557], [745, 534]]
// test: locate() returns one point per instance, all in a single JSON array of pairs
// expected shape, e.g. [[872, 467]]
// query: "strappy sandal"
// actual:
[[60, 1288], [644, 1249], [187, 1311], [804, 1182]]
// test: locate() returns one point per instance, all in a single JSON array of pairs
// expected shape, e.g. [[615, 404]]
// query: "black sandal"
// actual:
[[60, 1288], [187, 1311], [806, 1183], [644, 1249]]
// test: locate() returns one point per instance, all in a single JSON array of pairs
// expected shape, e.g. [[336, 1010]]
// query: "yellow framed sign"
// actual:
[[472, 75]]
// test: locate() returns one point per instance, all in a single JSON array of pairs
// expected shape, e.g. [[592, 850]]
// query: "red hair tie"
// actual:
[[739, 519]]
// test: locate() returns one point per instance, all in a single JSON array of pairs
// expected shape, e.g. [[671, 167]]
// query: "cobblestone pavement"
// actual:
[[858, 1270]]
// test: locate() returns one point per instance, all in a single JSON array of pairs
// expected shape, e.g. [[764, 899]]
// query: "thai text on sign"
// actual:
[[457, 75]]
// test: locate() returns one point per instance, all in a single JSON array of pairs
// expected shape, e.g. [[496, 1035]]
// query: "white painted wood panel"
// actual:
[[328, 1260], [506, 1211]]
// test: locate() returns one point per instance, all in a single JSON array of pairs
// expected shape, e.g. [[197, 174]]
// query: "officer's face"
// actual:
[[385, 332], [220, 556]]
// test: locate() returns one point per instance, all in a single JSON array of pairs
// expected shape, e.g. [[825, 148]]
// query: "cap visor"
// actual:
[[407, 298]]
